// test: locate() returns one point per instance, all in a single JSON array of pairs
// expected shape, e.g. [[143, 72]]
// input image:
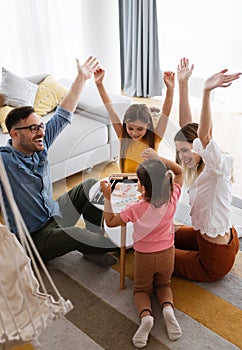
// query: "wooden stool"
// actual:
[[122, 238], [26, 346]]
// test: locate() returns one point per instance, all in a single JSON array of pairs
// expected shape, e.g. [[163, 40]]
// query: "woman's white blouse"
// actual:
[[210, 195]]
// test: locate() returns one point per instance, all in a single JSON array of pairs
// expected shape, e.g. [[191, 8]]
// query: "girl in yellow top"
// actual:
[[137, 131]]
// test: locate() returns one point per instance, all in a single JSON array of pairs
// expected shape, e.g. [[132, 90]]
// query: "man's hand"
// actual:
[[87, 69], [183, 70], [220, 80]]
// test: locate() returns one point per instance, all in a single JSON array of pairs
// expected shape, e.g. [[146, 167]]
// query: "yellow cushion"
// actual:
[[3, 113], [49, 94]]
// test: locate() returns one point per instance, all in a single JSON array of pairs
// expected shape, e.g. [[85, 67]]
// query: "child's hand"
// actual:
[[183, 70], [169, 79], [150, 153], [106, 189], [99, 76]]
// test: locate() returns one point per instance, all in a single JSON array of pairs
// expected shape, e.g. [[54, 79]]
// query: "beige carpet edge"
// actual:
[[237, 268]]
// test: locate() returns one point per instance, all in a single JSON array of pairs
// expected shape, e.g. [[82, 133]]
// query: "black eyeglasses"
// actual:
[[34, 128]]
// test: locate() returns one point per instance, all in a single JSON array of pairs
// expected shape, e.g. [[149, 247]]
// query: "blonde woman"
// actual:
[[206, 251]]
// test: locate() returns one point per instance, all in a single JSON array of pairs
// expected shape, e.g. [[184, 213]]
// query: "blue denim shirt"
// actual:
[[30, 178]]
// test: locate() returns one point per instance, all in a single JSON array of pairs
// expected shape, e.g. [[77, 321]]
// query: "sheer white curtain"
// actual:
[[45, 36], [40, 36], [209, 33]]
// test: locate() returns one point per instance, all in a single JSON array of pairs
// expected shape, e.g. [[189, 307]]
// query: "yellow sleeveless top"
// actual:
[[133, 156]]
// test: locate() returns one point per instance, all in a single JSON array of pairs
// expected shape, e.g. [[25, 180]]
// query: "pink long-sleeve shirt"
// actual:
[[153, 228]]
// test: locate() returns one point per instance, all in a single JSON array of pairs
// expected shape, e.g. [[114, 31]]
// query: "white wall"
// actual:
[[47, 35], [99, 27], [209, 33]]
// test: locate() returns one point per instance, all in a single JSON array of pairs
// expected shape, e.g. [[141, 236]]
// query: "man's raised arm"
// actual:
[[85, 71]]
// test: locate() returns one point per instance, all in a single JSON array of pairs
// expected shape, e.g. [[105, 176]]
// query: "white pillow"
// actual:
[[18, 91]]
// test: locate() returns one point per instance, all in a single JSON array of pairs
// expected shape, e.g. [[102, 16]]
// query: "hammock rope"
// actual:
[[26, 307]]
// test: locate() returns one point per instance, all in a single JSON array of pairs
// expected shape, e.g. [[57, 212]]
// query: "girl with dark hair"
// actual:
[[153, 236], [137, 131]]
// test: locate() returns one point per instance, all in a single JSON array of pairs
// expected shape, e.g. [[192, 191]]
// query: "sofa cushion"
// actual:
[[18, 91], [49, 94], [3, 113]]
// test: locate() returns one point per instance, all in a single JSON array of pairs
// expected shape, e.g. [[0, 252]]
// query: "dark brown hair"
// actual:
[[157, 181], [16, 115]]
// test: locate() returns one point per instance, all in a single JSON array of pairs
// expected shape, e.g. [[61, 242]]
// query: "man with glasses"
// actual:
[[52, 223], [34, 128]]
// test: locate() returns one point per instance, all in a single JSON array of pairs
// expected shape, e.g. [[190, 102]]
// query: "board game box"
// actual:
[[124, 190]]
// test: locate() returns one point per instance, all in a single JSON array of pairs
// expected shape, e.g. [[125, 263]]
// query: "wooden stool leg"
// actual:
[[122, 257], [26, 346]]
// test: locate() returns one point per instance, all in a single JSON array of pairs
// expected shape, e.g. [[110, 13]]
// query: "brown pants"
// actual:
[[153, 271], [202, 261]]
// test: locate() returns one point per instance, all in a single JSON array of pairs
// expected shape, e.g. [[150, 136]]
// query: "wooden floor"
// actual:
[[99, 172], [23, 347]]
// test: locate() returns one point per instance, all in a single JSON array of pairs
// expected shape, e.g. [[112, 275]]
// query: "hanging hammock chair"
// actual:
[[26, 308]]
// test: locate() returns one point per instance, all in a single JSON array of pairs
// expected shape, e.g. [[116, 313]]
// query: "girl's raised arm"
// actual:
[[175, 168], [150, 153], [183, 75], [169, 79], [117, 125]]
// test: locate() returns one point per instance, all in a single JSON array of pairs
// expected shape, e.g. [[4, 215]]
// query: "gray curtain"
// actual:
[[140, 66]]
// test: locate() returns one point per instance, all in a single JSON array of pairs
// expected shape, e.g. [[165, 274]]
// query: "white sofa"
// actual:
[[89, 140]]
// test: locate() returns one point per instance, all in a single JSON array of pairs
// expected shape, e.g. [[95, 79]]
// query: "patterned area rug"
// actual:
[[217, 305], [104, 317]]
